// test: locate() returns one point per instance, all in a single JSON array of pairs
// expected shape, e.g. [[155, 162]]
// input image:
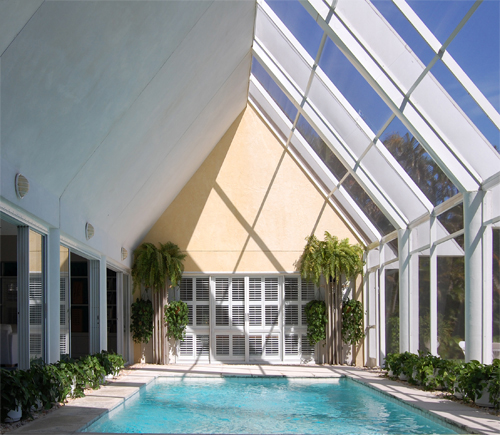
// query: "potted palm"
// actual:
[[333, 259], [152, 268]]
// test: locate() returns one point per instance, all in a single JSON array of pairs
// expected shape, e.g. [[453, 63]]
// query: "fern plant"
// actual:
[[331, 258]]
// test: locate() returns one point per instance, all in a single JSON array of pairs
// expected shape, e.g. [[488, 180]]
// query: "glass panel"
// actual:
[[424, 304], [9, 355], [392, 310], [476, 48], [441, 16], [466, 102], [453, 219], [112, 318], [274, 90], [300, 23], [64, 301], [496, 293], [403, 27], [80, 337], [451, 306], [321, 148], [366, 204], [36, 296], [354, 87], [421, 168]]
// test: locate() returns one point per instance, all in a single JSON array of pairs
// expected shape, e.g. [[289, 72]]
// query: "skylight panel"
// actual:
[[274, 90], [467, 103], [441, 16], [354, 87], [321, 148], [403, 27], [421, 168], [300, 23], [365, 203]]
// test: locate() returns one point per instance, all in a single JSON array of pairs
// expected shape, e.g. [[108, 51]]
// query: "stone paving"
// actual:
[[79, 413]]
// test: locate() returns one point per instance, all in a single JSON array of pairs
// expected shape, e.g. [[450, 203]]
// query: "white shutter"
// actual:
[[255, 315], [255, 344], [202, 289], [202, 315], [239, 345], [222, 315], [255, 289], [186, 346], [238, 289], [222, 345], [291, 344], [291, 315], [221, 289], [272, 345], [202, 345], [271, 289], [291, 289], [238, 317], [272, 312], [186, 290]]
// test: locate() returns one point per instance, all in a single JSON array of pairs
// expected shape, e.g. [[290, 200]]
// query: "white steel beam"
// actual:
[[462, 175], [330, 137], [448, 60]]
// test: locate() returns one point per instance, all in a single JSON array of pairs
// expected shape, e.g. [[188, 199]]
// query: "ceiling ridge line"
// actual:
[[180, 138], [22, 28]]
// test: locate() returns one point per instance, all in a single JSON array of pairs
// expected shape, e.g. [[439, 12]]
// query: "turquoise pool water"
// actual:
[[262, 406]]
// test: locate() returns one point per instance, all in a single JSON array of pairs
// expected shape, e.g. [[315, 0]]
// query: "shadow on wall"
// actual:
[[249, 206]]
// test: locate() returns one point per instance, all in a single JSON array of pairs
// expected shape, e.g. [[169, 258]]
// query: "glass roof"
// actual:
[[388, 121]]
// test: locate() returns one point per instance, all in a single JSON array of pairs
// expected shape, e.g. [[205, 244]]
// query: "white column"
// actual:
[[23, 302], [413, 307], [474, 285], [404, 289], [433, 287], [103, 305], [53, 295], [381, 306]]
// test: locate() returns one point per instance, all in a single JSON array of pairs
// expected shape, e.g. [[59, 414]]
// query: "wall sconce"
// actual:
[[89, 231], [22, 186], [124, 254]]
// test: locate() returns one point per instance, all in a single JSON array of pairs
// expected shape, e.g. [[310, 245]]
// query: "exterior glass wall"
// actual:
[[36, 295], [392, 311], [451, 307]]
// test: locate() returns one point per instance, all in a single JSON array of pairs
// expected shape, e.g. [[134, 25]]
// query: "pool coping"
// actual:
[[80, 413]]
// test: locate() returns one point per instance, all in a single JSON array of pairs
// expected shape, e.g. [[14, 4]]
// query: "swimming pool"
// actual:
[[233, 405]]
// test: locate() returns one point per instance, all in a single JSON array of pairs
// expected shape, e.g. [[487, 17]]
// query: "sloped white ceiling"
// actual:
[[112, 106]]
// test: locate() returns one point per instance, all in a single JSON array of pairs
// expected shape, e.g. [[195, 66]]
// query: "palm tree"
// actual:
[[331, 258], [152, 268]]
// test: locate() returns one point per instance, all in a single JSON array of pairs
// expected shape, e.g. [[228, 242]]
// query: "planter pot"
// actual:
[[37, 406], [456, 393], [390, 373], [484, 400], [403, 377], [14, 415]]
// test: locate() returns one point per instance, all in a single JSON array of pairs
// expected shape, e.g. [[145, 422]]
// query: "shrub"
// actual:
[[316, 321], [176, 318]]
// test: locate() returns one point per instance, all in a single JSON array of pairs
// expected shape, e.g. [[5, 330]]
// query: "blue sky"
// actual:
[[476, 49]]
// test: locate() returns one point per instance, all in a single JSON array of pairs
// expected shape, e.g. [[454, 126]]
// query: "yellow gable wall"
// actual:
[[248, 208]]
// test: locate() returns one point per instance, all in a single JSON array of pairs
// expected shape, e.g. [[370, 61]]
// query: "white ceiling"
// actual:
[[112, 106]]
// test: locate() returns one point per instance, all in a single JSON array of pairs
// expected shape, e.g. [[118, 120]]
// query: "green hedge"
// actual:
[[44, 385], [469, 381]]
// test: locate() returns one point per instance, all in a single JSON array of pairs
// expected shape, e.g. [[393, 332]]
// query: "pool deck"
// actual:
[[79, 413]]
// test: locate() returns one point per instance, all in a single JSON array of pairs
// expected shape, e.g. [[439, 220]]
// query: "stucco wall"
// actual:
[[248, 208]]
